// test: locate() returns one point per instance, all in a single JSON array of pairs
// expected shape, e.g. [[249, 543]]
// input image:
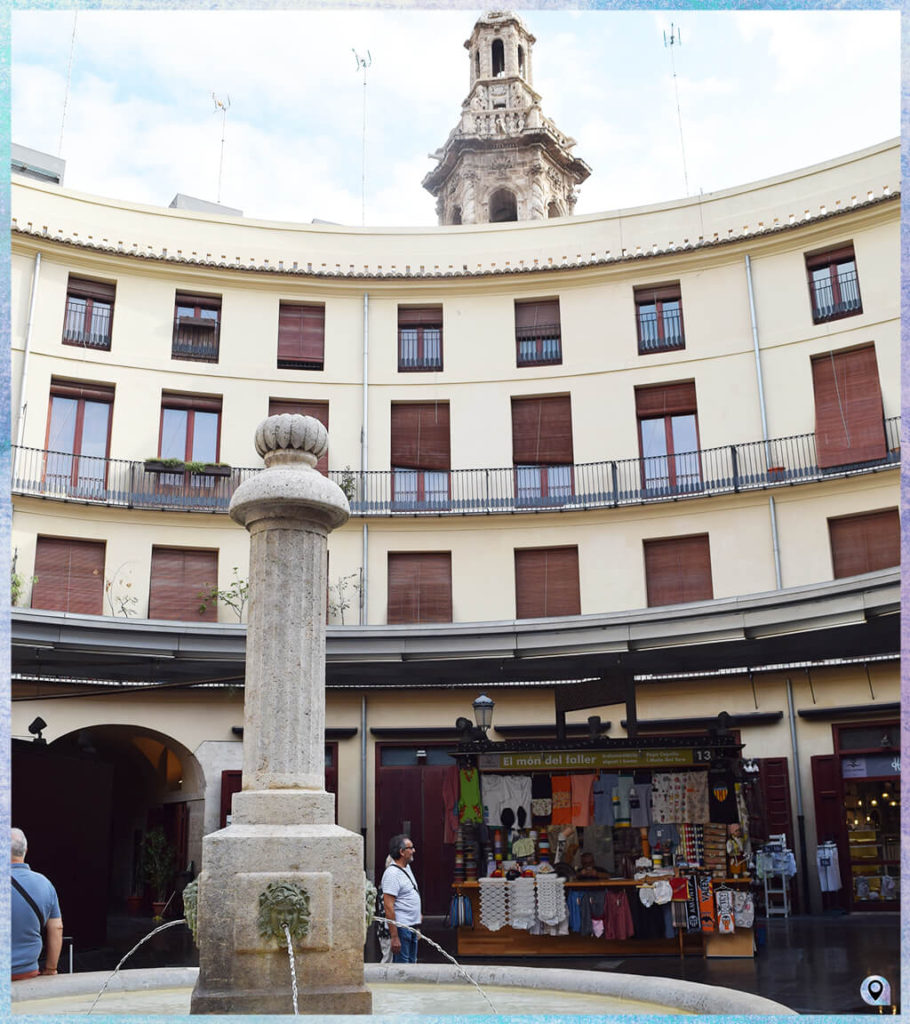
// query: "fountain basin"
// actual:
[[426, 989]]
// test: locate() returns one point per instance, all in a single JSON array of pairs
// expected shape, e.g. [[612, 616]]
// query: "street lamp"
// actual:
[[483, 713]]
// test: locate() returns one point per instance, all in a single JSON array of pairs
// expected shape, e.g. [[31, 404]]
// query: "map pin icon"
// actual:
[[874, 988]]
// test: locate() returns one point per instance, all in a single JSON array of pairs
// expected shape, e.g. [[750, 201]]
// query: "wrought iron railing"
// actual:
[[778, 462]]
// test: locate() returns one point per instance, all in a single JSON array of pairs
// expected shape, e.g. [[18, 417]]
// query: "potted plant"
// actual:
[[156, 465], [159, 861]]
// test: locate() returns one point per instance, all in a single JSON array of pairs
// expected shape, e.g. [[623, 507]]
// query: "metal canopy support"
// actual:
[[612, 688]]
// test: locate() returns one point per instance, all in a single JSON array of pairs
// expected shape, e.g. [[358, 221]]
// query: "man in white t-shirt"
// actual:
[[401, 899]]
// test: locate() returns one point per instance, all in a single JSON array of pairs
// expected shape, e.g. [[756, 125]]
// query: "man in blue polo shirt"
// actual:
[[33, 909]]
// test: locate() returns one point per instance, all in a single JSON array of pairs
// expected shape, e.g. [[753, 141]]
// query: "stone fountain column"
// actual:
[[282, 828]]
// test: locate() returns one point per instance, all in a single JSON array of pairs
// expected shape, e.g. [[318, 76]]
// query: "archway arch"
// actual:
[[553, 210], [503, 206]]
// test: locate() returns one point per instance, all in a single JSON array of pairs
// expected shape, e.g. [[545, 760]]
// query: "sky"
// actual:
[[740, 96]]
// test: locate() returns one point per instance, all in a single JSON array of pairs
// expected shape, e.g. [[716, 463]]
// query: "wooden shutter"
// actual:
[[542, 431], [676, 399], [420, 435], [828, 257], [849, 418], [179, 576], [678, 570], [865, 543], [546, 582], [318, 410], [301, 334], [85, 289], [79, 389], [70, 575], [536, 314], [204, 403], [647, 293], [420, 587], [425, 316]]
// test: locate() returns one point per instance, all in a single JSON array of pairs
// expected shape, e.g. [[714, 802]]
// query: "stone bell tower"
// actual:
[[504, 160]]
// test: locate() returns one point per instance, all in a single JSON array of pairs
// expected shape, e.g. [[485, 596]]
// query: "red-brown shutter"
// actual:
[[849, 419], [542, 431], [301, 334], [826, 257], [318, 410], [420, 435], [204, 403], [85, 289], [546, 582], [425, 316], [420, 587], [180, 579], [677, 399], [657, 292], [80, 389], [70, 575], [678, 570], [865, 543], [536, 314]]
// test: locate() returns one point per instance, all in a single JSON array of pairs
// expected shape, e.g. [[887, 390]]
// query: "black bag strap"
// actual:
[[408, 877], [20, 889]]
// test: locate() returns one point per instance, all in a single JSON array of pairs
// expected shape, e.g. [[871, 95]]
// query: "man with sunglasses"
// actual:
[[401, 899]]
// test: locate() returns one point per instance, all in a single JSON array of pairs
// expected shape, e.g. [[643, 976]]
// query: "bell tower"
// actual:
[[504, 160]]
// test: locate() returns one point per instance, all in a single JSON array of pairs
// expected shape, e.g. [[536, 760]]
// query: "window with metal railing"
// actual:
[[419, 339], [89, 313], [538, 333], [197, 326], [833, 284], [659, 318]]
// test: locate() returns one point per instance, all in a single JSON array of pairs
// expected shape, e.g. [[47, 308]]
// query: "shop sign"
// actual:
[[866, 766], [567, 760]]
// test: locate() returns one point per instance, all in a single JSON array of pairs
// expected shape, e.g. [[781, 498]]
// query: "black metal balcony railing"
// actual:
[[540, 344], [660, 331], [195, 338], [836, 297], [752, 466]]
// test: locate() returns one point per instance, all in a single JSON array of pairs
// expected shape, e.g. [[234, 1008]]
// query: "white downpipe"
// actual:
[[775, 540], [23, 380], [363, 771], [364, 456]]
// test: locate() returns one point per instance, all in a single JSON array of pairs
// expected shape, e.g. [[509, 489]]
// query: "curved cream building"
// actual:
[[656, 446]]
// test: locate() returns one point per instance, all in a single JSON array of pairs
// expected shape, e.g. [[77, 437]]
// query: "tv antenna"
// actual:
[[362, 64], [675, 39], [66, 91], [224, 106]]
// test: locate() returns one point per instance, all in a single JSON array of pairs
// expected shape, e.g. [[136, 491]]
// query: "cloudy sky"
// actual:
[[756, 97]]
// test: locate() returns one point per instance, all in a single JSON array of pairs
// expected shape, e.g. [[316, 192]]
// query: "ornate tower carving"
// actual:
[[504, 160]]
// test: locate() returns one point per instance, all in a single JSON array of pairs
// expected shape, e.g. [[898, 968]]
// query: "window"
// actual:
[[658, 311], [190, 431], [318, 410], [197, 327], [89, 312], [180, 580], [301, 337], [546, 582], [420, 338], [678, 570], [420, 454], [78, 438], [503, 206], [542, 449], [537, 333], [865, 543], [849, 418], [420, 586], [70, 575], [668, 437], [833, 284]]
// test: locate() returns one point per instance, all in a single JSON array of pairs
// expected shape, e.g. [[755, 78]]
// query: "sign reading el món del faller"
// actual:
[[568, 759]]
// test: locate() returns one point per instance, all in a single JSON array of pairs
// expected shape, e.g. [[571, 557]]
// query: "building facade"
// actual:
[[662, 443]]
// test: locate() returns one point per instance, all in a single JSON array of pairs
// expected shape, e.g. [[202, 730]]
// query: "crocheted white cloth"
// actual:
[[522, 903], [493, 903], [551, 899]]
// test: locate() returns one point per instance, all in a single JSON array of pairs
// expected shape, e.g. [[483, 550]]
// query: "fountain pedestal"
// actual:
[[282, 831]]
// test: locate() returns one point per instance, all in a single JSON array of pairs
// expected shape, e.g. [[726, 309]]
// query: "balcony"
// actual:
[[755, 465], [195, 338], [538, 346]]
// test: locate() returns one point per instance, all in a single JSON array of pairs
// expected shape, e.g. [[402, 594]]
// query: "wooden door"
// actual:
[[829, 821]]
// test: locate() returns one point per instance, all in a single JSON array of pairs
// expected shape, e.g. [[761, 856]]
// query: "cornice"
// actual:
[[311, 270]]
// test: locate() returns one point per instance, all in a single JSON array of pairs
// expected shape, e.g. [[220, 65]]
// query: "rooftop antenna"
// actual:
[[675, 39], [224, 106], [66, 91], [362, 64]]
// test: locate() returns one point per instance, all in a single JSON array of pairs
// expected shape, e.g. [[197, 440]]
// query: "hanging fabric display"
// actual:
[[828, 867], [493, 903], [551, 898], [522, 903], [470, 806], [723, 899], [743, 909], [705, 889]]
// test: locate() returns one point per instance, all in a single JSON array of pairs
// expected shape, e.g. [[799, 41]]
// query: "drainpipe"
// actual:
[[23, 381], [363, 774], [800, 817], [775, 541], [364, 451]]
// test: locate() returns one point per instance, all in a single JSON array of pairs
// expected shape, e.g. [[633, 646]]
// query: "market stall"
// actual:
[[604, 847]]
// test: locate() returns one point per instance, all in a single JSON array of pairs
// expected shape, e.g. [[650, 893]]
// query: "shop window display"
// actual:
[[873, 812]]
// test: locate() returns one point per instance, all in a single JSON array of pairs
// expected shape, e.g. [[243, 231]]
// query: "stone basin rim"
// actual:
[[690, 996]]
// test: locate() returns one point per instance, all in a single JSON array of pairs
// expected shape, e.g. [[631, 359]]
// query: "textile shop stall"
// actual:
[[617, 847]]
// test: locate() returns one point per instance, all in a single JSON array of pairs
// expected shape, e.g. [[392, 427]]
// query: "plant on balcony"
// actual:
[[156, 465], [348, 483], [235, 596], [340, 599], [17, 581], [119, 602]]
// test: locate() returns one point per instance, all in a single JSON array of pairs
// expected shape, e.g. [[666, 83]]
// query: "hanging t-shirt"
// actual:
[[640, 805], [470, 806], [621, 808], [664, 836], [828, 868], [518, 798], [581, 799], [722, 807], [541, 798], [562, 800], [696, 799], [603, 798], [495, 799]]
